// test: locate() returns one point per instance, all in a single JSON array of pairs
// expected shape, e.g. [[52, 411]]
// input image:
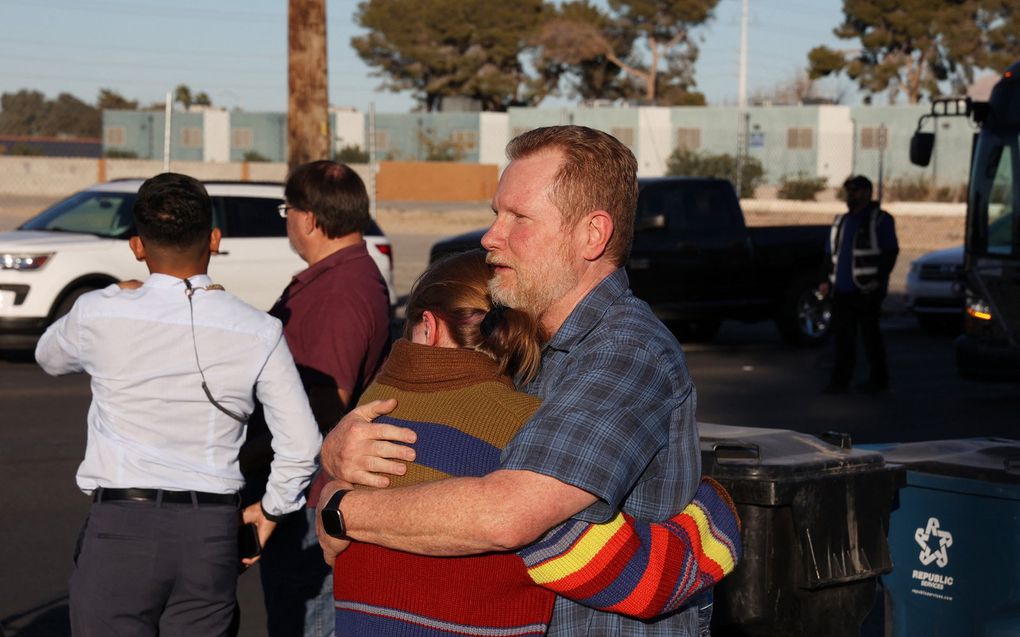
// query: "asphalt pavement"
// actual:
[[745, 377]]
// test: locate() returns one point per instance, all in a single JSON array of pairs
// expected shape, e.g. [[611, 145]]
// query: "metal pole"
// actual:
[[372, 165], [166, 132], [742, 89], [742, 130], [882, 141]]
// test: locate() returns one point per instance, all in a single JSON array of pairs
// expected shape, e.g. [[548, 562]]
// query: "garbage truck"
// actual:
[[989, 348]]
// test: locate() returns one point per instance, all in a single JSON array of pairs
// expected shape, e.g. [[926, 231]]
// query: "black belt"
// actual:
[[172, 497]]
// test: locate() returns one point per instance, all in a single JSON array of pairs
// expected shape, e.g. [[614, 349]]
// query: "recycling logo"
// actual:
[[933, 536]]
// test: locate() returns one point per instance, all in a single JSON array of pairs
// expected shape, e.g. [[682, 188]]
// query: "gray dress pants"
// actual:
[[147, 569]]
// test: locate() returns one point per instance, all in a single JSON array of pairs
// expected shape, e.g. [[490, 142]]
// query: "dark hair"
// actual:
[[858, 181], [598, 173], [333, 193], [455, 289], [173, 210]]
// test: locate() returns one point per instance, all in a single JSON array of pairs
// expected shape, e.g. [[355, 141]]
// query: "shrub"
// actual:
[[951, 193], [351, 154], [801, 187], [915, 188], [690, 163], [113, 153], [919, 188], [24, 150], [254, 156]]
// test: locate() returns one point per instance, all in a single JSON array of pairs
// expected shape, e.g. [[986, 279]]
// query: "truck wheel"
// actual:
[[696, 331], [941, 324], [805, 315]]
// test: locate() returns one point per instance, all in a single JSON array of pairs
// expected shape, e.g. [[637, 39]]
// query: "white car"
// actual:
[[80, 244], [935, 289]]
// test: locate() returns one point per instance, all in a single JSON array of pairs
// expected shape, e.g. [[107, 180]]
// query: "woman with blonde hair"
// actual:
[[453, 376]]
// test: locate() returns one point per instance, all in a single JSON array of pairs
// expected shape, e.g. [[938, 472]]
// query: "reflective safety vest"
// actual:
[[866, 252]]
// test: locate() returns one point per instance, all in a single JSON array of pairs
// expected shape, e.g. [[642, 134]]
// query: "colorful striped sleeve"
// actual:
[[636, 568]]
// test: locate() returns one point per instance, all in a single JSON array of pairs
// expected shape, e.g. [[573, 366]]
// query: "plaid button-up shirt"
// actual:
[[617, 420]]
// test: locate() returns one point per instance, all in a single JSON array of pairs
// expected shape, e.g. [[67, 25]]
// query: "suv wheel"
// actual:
[[67, 302]]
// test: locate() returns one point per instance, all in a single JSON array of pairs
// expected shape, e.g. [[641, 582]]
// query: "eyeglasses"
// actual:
[[284, 208]]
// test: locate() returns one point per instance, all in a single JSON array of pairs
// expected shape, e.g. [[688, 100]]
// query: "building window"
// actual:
[[191, 137], [466, 140], [873, 138], [798, 138], [688, 138], [382, 140], [116, 135], [625, 135], [242, 138]]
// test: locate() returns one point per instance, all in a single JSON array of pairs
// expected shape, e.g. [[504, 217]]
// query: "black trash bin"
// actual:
[[815, 519]]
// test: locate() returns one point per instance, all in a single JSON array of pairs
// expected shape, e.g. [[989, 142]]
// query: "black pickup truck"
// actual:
[[696, 262]]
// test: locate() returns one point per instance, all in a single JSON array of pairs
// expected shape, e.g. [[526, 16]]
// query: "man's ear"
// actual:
[[598, 229], [137, 247], [214, 240], [308, 222]]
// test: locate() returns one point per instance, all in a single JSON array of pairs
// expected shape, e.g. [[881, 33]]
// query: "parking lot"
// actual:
[[745, 377]]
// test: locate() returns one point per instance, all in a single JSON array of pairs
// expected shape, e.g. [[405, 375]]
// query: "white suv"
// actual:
[[80, 244]]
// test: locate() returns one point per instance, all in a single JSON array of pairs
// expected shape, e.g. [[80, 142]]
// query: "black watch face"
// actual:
[[332, 522]]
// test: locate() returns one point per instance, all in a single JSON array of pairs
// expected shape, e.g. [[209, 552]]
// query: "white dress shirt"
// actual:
[[150, 424]]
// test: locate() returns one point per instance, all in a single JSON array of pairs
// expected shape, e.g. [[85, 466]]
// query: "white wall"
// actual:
[[350, 129], [493, 135], [835, 144], [655, 140], [215, 135]]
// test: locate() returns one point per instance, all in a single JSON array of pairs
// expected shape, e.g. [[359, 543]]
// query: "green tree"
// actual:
[[444, 48], [692, 164], [647, 40], [584, 72], [909, 48], [30, 113], [182, 96], [22, 113], [110, 100], [68, 115]]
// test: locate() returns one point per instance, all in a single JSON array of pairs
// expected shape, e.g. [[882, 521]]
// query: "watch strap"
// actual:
[[332, 508]]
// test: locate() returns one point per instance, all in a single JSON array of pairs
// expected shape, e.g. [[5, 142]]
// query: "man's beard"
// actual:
[[536, 291]]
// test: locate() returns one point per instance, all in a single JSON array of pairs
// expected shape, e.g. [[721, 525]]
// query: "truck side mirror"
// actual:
[[650, 222], [921, 145]]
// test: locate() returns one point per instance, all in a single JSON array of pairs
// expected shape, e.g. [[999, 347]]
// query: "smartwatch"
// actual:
[[332, 518]]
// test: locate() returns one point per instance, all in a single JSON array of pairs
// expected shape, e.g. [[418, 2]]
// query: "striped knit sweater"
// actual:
[[465, 413]]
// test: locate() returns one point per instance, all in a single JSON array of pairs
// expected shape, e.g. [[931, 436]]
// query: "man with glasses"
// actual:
[[336, 318]]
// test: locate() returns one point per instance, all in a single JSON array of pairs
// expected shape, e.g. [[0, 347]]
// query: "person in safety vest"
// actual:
[[863, 248]]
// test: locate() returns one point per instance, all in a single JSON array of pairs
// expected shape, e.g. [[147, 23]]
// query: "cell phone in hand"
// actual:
[[248, 541]]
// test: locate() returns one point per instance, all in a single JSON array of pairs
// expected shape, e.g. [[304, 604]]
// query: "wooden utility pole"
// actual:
[[307, 83]]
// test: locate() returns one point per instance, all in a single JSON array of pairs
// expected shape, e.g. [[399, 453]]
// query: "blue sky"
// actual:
[[236, 50]]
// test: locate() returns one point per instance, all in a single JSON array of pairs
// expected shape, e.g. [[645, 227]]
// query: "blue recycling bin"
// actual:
[[955, 539]]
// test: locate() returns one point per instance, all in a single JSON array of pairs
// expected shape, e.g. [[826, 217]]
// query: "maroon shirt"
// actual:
[[336, 319]]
